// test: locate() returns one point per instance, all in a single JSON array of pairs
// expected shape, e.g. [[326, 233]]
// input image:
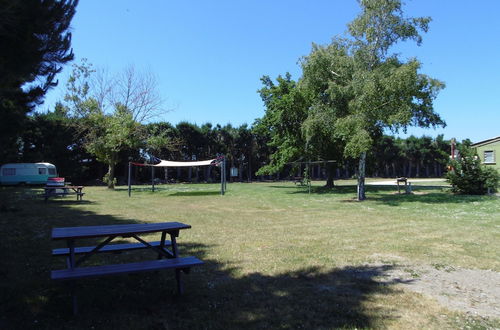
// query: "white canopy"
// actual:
[[168, 163]]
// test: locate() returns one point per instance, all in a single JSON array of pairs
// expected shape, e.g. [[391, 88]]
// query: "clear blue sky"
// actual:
[[209, 55]]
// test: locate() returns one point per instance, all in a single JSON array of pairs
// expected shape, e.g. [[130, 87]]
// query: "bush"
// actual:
[[468, 176]]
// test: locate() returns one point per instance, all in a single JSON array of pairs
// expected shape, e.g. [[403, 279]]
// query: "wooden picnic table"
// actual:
[[52, 191], [167, 256]]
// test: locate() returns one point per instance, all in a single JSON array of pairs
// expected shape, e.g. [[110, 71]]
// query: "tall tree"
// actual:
[[35, 42], [329, 93], [109, 112], [388, 93], [286, 109]]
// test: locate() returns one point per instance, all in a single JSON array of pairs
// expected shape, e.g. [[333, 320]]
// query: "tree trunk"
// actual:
[[329, 178], [208, 171], [361, 177], [111, 176], [249, 169]]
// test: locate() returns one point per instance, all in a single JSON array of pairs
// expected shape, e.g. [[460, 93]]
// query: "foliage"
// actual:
[[107, 135], [468, 176], [286, 109], [104, 134], [35, 42], [49, 137], [359, 89]]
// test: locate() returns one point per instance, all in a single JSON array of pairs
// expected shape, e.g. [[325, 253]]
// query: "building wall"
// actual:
[[495, 147]]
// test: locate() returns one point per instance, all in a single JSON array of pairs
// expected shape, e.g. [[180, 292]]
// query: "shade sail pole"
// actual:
[[153, 178], [129, 177]]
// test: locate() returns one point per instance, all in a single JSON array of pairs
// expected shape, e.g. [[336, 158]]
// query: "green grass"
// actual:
[[275, 256]]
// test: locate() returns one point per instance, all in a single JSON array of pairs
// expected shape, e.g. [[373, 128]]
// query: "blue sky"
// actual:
[[209, 56]]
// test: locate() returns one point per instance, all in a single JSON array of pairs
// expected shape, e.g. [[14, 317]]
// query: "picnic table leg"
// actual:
[[180, 288], [162, 243], [71, 264]]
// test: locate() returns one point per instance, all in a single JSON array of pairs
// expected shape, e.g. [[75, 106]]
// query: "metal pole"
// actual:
[[221, 178], [153, 178], [129, 178]]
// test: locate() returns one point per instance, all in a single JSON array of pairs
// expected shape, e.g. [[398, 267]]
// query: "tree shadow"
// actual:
[[217, 294], [195, 193], [427, 198], [171, 192], [389, 195]]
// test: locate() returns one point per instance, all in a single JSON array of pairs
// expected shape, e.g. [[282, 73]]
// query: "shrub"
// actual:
[[468, 176]]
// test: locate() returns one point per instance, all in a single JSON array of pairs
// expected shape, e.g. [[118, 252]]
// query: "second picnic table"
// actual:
[[52, 191]]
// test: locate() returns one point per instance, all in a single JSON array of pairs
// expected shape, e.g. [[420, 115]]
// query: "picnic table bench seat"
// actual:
[[114, 248], [180, 263]]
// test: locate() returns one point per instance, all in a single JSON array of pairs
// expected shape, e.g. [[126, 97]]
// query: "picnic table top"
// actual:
[[109, 230]]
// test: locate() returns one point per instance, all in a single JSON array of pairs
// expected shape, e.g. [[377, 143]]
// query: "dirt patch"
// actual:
[[472, 291]]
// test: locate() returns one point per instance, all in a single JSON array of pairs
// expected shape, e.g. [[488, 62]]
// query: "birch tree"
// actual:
[[388, 93]]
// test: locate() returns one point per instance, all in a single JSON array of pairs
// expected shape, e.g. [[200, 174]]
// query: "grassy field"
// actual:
[[275, 257]]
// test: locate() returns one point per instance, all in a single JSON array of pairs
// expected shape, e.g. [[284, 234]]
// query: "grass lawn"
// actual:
[[275, 257]]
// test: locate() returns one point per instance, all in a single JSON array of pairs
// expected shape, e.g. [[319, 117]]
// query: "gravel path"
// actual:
[[472, 291]]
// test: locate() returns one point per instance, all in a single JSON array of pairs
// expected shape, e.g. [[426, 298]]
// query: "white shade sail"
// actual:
[[168, 163]]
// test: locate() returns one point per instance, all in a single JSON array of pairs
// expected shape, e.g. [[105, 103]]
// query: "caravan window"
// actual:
[[52, 171], [42, 171], [9, 171]]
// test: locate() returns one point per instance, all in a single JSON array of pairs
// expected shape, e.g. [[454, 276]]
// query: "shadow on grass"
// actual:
[[389, 195], [427, 198], [216, 295], [171, 191], [195, 193]]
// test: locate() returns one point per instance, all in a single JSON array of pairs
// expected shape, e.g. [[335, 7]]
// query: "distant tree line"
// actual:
[[51, 137]]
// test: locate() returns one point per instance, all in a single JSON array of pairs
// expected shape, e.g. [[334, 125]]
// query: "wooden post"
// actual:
[[225, 177], [129, 178], [222, 170], [221, 182]]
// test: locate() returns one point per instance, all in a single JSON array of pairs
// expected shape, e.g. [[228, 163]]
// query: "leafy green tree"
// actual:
[[329, 93], [468, 176], [107, 124], [385, 156], [440, 154], [384, 92], [49, 137], [35, 42], [286, 110], [245, 144], [108, 134]]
